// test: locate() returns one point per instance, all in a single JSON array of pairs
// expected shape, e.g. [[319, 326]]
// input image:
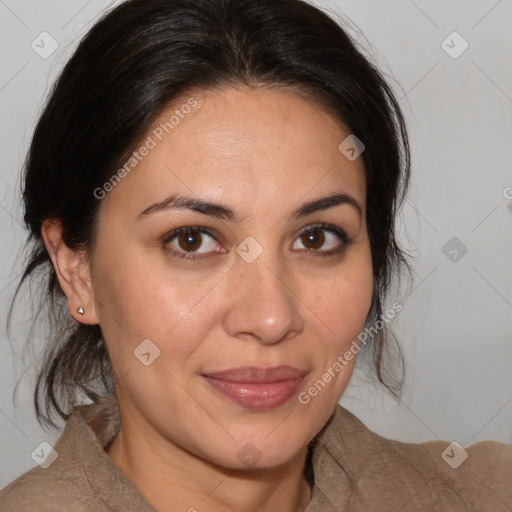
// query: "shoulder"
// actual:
[[432, 472], [436, 455], [61, 484], [44, 489]]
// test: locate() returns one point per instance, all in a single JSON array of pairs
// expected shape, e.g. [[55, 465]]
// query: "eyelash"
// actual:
[[311, 253]]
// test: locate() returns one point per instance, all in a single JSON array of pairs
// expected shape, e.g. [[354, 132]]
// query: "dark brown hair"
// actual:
[[128, 67]]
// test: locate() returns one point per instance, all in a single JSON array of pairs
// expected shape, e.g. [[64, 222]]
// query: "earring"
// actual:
[[80, 310]]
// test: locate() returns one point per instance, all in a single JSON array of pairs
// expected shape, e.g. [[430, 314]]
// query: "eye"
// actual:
[[191, 239], [197, 242], [331, 238]]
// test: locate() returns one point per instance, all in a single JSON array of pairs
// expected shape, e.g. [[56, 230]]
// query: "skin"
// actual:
[[262, 153]]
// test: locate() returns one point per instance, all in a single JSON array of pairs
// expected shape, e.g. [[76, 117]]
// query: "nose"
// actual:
[[262, 304]]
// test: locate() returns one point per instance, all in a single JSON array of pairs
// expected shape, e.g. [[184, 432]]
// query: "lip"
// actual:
[[256, 388]]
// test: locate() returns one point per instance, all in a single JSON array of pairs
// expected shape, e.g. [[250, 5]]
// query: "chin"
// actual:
[[259, 453]]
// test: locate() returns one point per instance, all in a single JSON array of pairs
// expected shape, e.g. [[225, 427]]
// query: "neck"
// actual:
[[166, 474]]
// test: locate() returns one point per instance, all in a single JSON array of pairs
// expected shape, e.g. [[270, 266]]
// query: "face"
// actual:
[[183, 293]]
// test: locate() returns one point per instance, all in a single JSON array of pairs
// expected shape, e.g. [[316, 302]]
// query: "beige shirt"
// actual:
[[354, 470]]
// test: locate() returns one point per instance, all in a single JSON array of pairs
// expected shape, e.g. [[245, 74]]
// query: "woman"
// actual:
[[212, 190]]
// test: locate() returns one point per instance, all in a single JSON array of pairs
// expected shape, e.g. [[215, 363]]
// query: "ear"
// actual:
[[73, 272]]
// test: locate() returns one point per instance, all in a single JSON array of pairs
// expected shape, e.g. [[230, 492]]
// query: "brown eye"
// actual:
[[322, 240], [190, 241], [313, 239]]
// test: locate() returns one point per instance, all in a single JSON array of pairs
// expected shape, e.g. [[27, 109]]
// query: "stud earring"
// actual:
[[80, 310]]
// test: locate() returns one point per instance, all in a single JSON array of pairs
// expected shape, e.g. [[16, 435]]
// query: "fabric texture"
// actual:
[[354, 470]]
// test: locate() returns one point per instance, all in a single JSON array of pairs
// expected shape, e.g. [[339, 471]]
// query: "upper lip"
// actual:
[[258, 374]]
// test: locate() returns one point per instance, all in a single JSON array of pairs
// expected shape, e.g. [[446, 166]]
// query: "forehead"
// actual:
[[261, 146]]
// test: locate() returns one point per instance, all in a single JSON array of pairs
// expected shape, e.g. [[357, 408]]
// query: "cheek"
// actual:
[[138, 301], [340, 311], [345, 298], [178, 309]]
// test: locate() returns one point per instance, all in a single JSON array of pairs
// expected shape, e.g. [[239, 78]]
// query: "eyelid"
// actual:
[[339, 232], [327, 227], [168, 237], [178, 231]]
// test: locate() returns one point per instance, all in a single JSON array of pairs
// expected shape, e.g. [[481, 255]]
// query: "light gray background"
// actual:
[[456, 325]]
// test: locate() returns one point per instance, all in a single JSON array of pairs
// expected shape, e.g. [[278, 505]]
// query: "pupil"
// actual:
[[315, 238], [189, 241]]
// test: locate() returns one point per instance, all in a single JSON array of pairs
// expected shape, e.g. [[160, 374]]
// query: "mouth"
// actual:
[[257, 389]]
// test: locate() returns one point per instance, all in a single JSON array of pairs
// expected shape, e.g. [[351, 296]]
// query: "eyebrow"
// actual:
[[223, 212]]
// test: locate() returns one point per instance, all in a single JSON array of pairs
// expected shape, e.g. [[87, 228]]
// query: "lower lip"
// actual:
[[257, 396]]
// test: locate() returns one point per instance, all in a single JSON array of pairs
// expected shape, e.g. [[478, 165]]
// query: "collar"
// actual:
[[351, 465], [91, 428]]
